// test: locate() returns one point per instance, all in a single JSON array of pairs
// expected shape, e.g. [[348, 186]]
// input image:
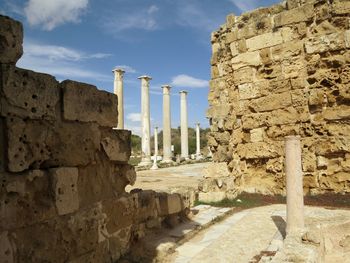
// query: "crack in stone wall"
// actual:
[[63, 169], [278, 71]]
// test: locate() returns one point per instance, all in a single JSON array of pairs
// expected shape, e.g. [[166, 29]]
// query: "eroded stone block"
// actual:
[[323, 43], [264, 41], [260, 150], [271, 102], [117, 144], [28, 94], [65, 188], [11, 38], [85, 103], [215, 170], [35, 144], [7, 250], [296, 15]]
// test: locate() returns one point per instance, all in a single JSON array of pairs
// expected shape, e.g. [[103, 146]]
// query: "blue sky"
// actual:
[[168, 40]]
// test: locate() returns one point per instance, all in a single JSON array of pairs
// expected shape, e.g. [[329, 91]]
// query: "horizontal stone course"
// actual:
[[85, 103]]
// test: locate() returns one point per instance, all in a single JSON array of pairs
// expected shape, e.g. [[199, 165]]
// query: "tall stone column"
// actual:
[[198, 142], [145, 122], [184, 124], [155, 166], [294, 185], [166, 125], [118, 90]]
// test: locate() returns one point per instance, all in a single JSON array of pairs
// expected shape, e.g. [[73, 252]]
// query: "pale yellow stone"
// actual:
[[264, 40]]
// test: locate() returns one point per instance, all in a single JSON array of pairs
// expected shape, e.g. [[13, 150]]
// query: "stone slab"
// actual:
[[116, 144], [85, 103]]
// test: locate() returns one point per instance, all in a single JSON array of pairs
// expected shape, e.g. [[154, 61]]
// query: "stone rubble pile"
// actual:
[[279, 71]]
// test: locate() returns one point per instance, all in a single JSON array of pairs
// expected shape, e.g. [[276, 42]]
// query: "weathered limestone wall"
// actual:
[[63, 169], [278, 71]]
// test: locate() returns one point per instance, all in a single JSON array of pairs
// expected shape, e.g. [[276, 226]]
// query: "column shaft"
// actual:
[[155, 166], [198, 142], [294, 185], [167, 155], [119, 91], [184, 124], [145, 122]]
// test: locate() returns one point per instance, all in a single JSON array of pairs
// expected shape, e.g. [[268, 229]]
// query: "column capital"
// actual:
[[166, 89], [183, 92], [118, 70], [292, 138], [197, 123], [145, 77]]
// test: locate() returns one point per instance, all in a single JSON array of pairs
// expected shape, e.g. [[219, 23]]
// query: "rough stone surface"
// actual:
[[65, 189], [11, 38], [86, 103], [63, 169], [279, 71]]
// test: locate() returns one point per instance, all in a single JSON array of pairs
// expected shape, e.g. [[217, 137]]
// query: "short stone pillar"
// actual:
[[184, 124], [145, 122], [198, 142], [167, 155], [118, 90], [294, 185], [155, 166]]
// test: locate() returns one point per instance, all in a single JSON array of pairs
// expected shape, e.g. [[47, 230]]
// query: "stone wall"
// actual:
[[63, 169], [280, 71]]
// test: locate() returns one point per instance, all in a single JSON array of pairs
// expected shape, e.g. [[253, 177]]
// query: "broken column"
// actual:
[[184, 124], [198, 142], [145, 122], [155, 166], [294, 185], [166, 125], [118, 90]]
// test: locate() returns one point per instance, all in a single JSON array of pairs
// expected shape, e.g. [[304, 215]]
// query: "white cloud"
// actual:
[[126, 68], [246, 5], [188, 82], [141, 19], [53, 52], [60, 61], [134, 117], [52, 13]]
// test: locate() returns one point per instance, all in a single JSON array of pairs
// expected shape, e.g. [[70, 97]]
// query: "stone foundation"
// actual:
[[282, 71], [63, 169]]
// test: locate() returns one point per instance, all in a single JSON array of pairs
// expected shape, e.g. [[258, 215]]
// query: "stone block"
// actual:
[[85, 103], [231, 36], [264, 41], [347, 38], [278, 117], [211, 197], [244, 75], [321, 162], [39, 144], [7, 248], [271, 102], [246, 59], [215, 170], [169, 204], [286, 50], [341, 7], [296, 15], [64, 186], [120, 213], [11, 39], [117, 144], [257, 135], [293, 67], [330, 146], [29, 94], [260, 150], [341, 112], [324, 43], [230, 20], [249, 91], [26, 199]]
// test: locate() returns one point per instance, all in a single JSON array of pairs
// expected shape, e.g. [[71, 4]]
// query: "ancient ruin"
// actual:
[[64, 169], [279, 71]]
